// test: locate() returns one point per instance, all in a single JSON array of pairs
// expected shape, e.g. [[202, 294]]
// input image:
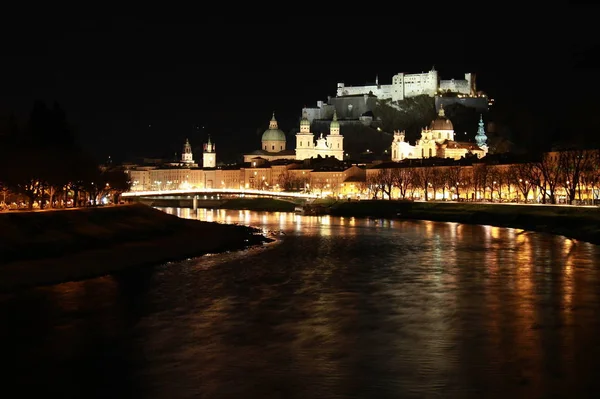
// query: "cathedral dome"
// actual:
[[273, 133], [441, 122]]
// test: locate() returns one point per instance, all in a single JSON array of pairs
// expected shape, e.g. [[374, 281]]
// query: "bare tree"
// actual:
[[374, 184], [573, 164], [453, 175], [590, 177], [402, 179], [317, 184], [481, 178], [499, 178], [522, 176], [423, 178], [550, 168], [437, 180], [386, 180], [362, 186], [286, 180]]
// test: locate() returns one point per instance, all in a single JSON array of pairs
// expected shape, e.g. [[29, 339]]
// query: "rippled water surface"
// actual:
[[337, 308]]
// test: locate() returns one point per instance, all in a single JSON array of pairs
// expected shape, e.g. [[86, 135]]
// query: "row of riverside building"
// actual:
[[571, 176], [436, 167]]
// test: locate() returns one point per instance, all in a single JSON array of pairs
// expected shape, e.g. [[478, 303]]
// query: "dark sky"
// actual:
[[116, 76]]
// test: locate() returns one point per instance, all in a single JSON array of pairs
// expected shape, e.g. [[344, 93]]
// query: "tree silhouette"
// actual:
[[43, 158]]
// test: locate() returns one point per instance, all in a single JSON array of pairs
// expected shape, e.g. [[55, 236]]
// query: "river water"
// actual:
[[336, 308]]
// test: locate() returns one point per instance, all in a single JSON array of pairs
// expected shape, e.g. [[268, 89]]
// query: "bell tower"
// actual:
[[335, 140], [186, 156], [209, 156], [304, 139], [480, 137]]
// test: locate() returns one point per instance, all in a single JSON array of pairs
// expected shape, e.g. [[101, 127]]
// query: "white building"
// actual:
[[187, 158], [209, 156], [330, 146], [436, 141], [409, 85]]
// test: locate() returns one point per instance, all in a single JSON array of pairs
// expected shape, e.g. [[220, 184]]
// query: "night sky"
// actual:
[[138, 87]]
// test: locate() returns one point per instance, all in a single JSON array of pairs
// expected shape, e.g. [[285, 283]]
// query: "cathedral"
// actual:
[[330, 146], [273, 143], [437, 140]]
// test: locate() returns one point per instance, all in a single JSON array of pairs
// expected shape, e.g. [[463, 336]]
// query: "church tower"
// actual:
[[335, 140], [209, 157], [480, 137], [187, 157], [304, 139]]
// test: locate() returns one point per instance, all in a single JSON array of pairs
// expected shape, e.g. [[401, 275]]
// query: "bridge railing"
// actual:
[[219, 191]]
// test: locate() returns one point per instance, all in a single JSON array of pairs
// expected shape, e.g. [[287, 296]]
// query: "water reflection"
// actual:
[[337, 308]]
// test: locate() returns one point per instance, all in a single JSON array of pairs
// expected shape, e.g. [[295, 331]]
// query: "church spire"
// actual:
[[334, 114], [187, 157], [481, 138]]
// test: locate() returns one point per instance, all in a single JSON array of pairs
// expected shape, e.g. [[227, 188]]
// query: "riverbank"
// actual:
[[38, 248], [573, 222]]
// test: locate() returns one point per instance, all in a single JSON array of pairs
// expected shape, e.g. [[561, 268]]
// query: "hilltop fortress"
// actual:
[[356, 103], [409, 85]]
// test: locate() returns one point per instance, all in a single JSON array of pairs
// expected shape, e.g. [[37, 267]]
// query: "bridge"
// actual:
[[217, 191]]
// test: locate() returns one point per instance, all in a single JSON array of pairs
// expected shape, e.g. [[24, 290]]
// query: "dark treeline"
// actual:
[[43, 165]]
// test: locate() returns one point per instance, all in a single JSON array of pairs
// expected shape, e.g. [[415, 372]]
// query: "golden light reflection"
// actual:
[[185, 213], [452, 227], [486, 233], [428, 227], [68, 295], [494, 232], [74, 295], [352, 221], [568, 278]]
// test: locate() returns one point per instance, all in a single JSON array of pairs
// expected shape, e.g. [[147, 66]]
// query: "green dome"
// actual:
[[273, 135], [304, 121]]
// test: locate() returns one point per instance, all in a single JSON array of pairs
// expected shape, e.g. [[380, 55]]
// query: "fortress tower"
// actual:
[[209, 156]]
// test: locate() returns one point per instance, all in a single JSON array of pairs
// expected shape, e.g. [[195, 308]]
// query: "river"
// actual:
[[336, 308]]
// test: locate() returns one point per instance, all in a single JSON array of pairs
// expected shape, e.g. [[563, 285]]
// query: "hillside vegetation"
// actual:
[[410, 114]]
